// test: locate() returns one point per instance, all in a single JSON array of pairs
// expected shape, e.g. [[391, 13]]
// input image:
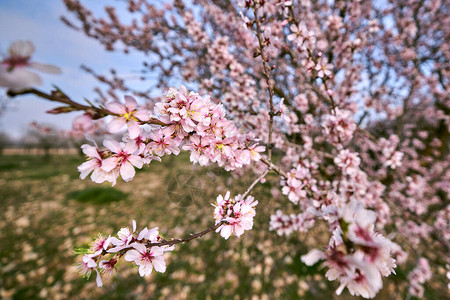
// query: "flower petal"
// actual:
[[116, 107], [127, 171], [133, 129], [51, 69], [115, 125]]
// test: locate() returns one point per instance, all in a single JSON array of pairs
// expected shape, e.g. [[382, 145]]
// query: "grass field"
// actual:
[[47, 211]]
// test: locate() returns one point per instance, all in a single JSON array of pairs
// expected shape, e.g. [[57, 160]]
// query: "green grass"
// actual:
[[97, 195]]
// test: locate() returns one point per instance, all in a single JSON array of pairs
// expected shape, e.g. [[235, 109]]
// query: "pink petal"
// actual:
[[112, 145], [109, 164], [19, 78], [130, 103], [139, 247], [116, 107], [142, 115], [130, 147], [142, 234], [127, 171], [133, 129], [86, 168], [157, 251], [90, 151], [115, 125]]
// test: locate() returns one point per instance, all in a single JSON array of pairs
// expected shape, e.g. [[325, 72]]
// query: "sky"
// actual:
[[57, 44]]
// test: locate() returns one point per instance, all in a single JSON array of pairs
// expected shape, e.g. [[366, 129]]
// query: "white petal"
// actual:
[[136, 161], [112, 145], [313, 257], [132, 255], [109, 164], [145, 269], [51, 69], [98, 279], [127, 171], [159, 264], [19, 78]]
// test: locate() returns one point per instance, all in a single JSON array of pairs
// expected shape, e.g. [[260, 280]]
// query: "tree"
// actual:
[[350, 94]]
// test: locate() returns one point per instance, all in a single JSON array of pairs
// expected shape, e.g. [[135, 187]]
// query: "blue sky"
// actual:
[[55, 43]]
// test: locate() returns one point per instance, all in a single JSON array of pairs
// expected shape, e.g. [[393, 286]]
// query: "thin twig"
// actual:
[[202, 233], [269, 85], [186, 239], [273, 167]]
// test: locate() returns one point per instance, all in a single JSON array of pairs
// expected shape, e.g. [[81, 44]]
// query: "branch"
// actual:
[[274, 167], [186, 239], [267, 76], [58, 96]]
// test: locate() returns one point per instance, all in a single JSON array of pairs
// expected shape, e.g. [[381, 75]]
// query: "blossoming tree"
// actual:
[[345, 101]]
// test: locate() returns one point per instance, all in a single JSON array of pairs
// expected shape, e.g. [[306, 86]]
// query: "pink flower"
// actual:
[[129, 115], [162, 144], [87, 265], [348, 162], [235, 214], [125, 236], [94, 165], [323, 68], [100, 244], [395, 161], [146, 259], [83, 124], [124, 159], [108, 266], [14, 69], [197, 145]]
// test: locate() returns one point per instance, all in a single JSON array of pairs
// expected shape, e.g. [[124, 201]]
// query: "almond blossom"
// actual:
[[146, 259], [360, 267], [124, 159], [15, 72], [235, 215], [127, 114]]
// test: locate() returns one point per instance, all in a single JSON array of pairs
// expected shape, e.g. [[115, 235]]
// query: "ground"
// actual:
[[47, 212]]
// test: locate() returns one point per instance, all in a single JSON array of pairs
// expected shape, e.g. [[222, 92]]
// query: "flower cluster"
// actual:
[[235, 215], [135, 247], [357, 256], [339, 127], [420, 275], [286, 224], [192, 123], [205, 131], [298, 182]]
